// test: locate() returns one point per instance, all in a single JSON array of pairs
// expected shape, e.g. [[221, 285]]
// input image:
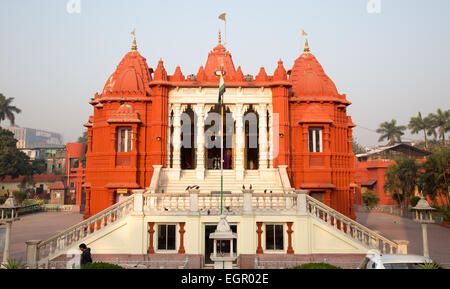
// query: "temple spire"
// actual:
[[134, 46], [306, 50]]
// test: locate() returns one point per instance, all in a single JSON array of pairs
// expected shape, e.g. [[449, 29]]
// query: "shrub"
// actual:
[[433, 265], [316, 266], [370, 199], [29, 202], [14, 264], [20, 196], [414, 200], [100, 265], [444, 212]]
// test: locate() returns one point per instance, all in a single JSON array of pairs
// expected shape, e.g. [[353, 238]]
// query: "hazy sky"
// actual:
[[390, 64]]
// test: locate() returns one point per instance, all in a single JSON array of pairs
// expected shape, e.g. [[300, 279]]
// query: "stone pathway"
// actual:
[[399, 228], [39, 226]]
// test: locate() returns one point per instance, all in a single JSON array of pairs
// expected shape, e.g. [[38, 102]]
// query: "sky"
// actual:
[[392, 59]]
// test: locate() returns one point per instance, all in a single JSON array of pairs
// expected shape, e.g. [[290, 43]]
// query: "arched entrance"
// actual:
[[251, 151], [188, 137], [212, 140]]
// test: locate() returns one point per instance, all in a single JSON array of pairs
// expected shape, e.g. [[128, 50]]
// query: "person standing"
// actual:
[[85, 255]]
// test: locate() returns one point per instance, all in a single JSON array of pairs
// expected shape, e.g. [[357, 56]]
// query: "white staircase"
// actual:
[[269, 180]]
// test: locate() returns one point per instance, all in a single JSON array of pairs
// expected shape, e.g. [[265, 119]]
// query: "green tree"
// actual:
[[440, 122], [391, 131], [401, 180], [418, 124], [356, 147], [84, 139], [435, 176], [370, 199], [12, 161], [7, 110]]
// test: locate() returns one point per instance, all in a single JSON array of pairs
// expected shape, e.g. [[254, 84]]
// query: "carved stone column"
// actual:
[[259, 250], [181, 231], [151, 249], [271, 139], [176, 139], [200, 142], [290, 250], [263, 145], [238, 113], [169, 138]]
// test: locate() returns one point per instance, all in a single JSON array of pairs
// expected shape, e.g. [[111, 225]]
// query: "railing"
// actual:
[[192, 202], [54, 246], [407, 213], [286, 264], [210, 203], [30, 209], [127, 264], [356, 231]]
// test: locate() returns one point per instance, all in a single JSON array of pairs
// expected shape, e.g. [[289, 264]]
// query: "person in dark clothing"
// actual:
[[85, 255]]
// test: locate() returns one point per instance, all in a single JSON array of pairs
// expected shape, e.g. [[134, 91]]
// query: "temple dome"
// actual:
[[132, 75], [309, 79], [219, 58]]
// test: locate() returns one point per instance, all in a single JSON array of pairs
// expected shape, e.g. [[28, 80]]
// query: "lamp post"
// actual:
[[9, 214], [423, 216]]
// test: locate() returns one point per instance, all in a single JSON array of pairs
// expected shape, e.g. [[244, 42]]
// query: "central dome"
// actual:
[[219, 59]]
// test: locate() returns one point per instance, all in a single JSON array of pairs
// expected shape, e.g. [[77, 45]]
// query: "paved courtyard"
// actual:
[[39, 226], [399, 228]]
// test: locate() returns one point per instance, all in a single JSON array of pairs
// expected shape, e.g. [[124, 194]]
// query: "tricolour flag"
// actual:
[[221, 89], [223, 16]]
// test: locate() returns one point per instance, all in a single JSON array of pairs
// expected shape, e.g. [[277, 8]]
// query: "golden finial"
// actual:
[[134, 46], [220, 37], [306, 50]]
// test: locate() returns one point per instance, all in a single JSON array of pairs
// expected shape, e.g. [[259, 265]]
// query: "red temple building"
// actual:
[[303, 132]]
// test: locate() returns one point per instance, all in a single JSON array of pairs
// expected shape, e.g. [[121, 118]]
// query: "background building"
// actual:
[[29, 138]]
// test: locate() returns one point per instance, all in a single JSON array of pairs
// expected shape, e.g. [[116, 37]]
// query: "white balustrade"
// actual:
[[367, 237], [247, 203]]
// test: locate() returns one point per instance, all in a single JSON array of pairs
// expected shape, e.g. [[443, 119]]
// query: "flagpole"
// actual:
[[221, 157]]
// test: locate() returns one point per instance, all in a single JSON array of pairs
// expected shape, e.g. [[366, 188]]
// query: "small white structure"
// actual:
[[9, 214], [424, 217], [223, 234]]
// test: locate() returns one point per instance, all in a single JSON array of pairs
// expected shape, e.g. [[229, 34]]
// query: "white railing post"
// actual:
[[32, 253], [193, 200], [138, 206], [402, 246], [301, 202], [248, 207]]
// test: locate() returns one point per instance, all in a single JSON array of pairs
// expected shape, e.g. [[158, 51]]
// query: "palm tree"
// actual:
[[7, 110], [417, 124], [441, 122], [391, 131]]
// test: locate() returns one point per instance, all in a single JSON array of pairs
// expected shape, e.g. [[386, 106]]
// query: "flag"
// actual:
[[133, 32], [223, 16], [221, 89], [304, 33]]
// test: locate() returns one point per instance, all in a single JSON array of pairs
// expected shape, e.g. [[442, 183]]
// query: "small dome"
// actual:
[[309, 79], [132, 74]]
